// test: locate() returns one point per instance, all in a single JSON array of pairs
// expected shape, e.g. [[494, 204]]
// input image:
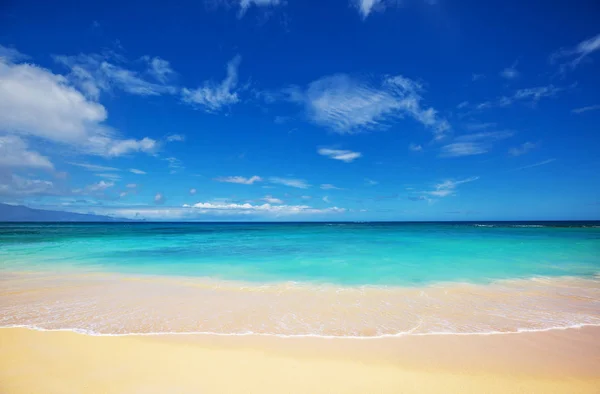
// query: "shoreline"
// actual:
[[565, 361], [297, 336], [95, 304]]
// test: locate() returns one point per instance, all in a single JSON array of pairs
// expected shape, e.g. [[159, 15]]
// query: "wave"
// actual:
[[275, 335]]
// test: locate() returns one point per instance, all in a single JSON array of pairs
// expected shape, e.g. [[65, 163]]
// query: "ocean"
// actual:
[[298, 279]]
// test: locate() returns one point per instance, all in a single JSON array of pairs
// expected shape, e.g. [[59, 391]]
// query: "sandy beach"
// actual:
[[560, 361]]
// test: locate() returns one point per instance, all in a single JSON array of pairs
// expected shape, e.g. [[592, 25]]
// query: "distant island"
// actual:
[[20, 213]]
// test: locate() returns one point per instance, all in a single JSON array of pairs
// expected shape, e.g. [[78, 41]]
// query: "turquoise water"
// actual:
[[396, 254]]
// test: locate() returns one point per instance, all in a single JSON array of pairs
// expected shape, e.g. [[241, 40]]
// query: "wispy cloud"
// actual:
[[175, 137], [457, 149], [239, 179], [367, 7], [159, 68], [96, 73], [448, 187], [137, 172], [347, 104], [193, 191], [541, 163], [473, 144], [100, 186], [346, 156], [477, 77], [248, 208], [272, 200], [175, 165], [159, 199], [370, 182], [476, 126], [586, 109], [529, 95], [212, 96], [329, 186], [415, 148], [510, 72], [574, 56], [93, 167], [11, 54], [109, 175], [522, 149], [291, 182], [246, 4], [13, 185]]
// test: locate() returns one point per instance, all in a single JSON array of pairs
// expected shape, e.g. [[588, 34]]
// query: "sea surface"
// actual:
[[321, 279]]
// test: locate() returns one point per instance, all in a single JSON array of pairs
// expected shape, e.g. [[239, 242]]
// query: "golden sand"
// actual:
[[63, 362]]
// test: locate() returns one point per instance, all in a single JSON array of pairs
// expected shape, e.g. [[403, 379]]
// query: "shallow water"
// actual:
[[334, 280]]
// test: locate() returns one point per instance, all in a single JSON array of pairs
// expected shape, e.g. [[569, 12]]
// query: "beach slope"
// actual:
[[566, 361]]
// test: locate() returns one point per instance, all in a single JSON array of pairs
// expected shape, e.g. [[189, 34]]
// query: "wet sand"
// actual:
[[558, 361]]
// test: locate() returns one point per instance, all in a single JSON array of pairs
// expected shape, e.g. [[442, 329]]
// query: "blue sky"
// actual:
[[296, 110]]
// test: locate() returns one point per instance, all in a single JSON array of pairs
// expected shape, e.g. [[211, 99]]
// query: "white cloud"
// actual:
[[297, 183], [510, 72], [415, 148], [100, 186], [366, 7], [175, 137], [574, 56], [346, 104], [264, 208], [159, 198], [586, 109], [137, 172], [36, 102], [326, 199], [305, 197], [473, 144], [14, 152], [272, 200], [123, 147], [522, 149], [193, 191], [448, 187], [245, 4], [131, 185], [212, 96], [343, 155], [329, 186], [211, 210], [159, 68], [94, 167], [94, 73], [239, 179]]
